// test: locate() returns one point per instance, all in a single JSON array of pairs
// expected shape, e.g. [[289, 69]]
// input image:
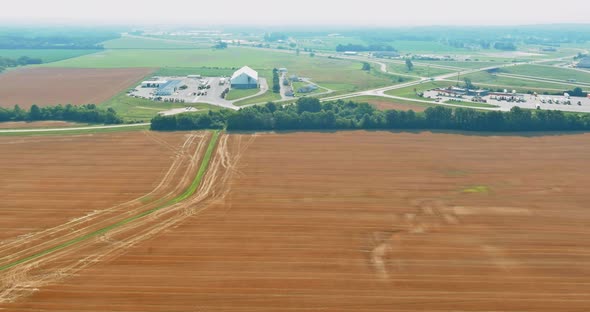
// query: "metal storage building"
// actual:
[[168, 88], [244, 78]]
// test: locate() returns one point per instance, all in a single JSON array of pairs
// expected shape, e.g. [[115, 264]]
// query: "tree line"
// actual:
[[6, 62], [311, 114], [82, 113], [276, 84]]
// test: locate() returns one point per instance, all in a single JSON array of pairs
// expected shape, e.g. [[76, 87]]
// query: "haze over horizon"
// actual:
[[303, 12]]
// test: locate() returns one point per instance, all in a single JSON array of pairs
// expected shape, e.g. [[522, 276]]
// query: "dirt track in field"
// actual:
[[360, 221], [52, 86]]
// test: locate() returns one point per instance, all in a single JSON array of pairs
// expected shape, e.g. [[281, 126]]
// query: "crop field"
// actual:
[[345, 227], [52, 86], [47, 181], [47, 55]]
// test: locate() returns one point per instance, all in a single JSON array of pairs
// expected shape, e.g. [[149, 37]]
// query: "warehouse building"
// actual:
[[153, 83], [168, 88], [244, 78]]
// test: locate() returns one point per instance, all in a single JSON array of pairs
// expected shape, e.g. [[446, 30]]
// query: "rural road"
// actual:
[[74, 128]]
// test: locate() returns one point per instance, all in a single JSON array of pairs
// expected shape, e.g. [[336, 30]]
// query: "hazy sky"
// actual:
[[314, 12]]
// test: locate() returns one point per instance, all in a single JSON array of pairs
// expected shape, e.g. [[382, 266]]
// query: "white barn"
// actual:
[[244, 78]]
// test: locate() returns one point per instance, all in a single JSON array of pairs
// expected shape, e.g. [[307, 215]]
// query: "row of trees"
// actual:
[[6, 62], [83, 113], [309, 113], [276, 82]]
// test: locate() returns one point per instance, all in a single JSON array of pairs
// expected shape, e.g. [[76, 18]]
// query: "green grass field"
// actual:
[[235, 94], [369, 98], [340, 74], [147, 43], [77, 132], [47, 55], [268, 96], [550, 72], [513, 83], [418, 70], [410, 92], [458, 64], [203, 71], [134, 109]]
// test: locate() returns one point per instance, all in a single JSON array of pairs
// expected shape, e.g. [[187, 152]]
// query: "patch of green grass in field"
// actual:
[[146, 43], [268, 96], [469, 104], [235, 94], [410, 92], [456, 173], [549, 72], [47, 55], [418, 70], [476, 189]]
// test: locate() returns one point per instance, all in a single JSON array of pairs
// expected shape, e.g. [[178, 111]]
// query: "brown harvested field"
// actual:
[[49, 180], [365, 221], [37, 124], [52, 86]]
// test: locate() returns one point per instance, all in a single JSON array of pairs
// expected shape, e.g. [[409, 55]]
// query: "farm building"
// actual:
[[153, 83], [244, 78], [168, 88], [584, 63]]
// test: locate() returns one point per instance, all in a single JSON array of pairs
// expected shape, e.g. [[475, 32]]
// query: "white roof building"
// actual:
[[244, 77]]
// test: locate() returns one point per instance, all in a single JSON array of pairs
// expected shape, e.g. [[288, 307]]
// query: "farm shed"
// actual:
[[168, 88], [244, 78]]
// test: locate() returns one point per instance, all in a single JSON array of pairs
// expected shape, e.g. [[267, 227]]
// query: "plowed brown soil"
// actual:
[[364, 221], [52, 86]]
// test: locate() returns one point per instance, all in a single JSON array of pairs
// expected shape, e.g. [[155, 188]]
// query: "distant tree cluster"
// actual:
[[53, 42], [274, 36], [21, 61], [505, 46], [362, 48], [82, 113], [220, 45], [310, 113]]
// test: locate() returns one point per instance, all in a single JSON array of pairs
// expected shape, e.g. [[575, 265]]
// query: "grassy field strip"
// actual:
[[549, 80], [72, 129], [190, 191]]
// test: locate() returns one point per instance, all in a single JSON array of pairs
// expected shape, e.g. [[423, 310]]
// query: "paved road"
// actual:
[[74, 128]]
